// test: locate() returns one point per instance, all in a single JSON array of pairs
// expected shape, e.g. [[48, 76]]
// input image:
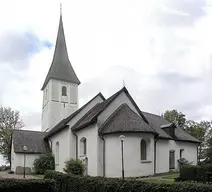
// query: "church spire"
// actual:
[[60, 9], [61, 68]]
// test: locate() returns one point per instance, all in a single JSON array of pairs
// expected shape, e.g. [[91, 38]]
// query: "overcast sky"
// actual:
[[162, 49]]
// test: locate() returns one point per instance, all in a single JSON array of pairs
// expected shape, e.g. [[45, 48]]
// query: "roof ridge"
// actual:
[[83, 117], [111, 116], [124, 109], [28, 130], [67, 119], [152, 114]]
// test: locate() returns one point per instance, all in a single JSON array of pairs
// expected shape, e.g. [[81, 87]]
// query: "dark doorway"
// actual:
[[171, 159]]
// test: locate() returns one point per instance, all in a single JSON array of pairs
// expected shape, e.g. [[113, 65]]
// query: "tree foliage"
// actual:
[[9, 120], [173, 116], [201, 130], [74, 166], [43, 163]]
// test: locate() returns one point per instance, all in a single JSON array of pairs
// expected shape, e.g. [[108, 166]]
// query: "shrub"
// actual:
[[44, 162], [73, 183], [4, 168], [74, 166], [10, 172], [188, 172], [183, 161], [15, 185], [195, 173]]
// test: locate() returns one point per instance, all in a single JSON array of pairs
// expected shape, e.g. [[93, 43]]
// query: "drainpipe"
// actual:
[[102, 137], [155, 153], [76, 144], [50, 144], [198, 156]]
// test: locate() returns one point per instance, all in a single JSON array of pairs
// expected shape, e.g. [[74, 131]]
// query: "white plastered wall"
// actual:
[[133, 166], [55, 106], [164, 146], [17, 159], [91, 135], [61, 137]]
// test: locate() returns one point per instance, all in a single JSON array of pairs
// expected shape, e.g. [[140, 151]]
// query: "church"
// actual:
[[108, 134]]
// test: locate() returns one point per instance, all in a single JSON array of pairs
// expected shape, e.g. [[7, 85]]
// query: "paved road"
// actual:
[[6, 175]]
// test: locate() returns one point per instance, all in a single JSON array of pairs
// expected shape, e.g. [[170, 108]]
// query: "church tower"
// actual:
[[60, 88]]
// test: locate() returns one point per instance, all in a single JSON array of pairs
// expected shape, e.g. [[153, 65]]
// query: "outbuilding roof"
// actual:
[[34, 140]]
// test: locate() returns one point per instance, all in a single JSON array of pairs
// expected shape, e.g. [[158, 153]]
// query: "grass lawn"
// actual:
[[165, 178]]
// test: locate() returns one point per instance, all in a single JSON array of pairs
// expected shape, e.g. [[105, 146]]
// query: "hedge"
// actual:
[[18, 185], [71, 183], [195, 173]]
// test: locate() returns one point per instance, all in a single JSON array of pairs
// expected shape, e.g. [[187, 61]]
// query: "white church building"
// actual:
[[92, 132]]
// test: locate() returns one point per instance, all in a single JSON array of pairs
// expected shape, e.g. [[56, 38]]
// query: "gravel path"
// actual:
[[6, 175]]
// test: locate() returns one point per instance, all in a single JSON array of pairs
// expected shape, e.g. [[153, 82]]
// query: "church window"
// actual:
[[181, 153], [83, 146], [57, 154], [64, 91], [143, 149]]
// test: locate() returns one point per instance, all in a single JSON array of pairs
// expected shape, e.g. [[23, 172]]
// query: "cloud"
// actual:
[[161, 49], [17, 47]]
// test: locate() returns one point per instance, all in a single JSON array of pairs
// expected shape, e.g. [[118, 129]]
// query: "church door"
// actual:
[[171, 159]]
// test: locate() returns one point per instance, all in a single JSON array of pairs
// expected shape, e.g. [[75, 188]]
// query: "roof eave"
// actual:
[[59, 79], [56, 131], [116, 132]]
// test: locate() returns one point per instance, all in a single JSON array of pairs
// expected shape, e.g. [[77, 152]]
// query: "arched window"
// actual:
[[57, 155], [83, 146], [64, 91], [143, 150]]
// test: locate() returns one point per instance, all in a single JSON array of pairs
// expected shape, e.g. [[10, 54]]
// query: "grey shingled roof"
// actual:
[[124, 119], [156, 121], [91, 116], [61, 68], [63, 124], [34, 140]]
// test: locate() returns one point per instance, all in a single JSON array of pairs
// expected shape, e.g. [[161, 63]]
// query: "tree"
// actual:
[[43, 163], [202, 131], [9, 120], [173, 116], [74, 166]]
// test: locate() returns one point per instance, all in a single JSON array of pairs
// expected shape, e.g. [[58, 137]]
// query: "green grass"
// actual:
[[163, 178]]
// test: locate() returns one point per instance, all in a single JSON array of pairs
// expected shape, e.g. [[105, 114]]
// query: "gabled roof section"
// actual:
[[125, 120], [63, 124], [157, 122], [61, 68], [91, 116], [34, 140]]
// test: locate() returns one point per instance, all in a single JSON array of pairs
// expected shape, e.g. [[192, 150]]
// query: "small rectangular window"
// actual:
[[181, 153]]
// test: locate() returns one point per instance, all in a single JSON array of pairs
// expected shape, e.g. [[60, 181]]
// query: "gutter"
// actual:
[[50, 144], [155, 153], [198, 156], [102, 137], [76, 144]]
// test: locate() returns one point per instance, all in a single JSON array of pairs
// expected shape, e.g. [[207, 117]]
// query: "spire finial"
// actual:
[[123, 83], [60, 8]]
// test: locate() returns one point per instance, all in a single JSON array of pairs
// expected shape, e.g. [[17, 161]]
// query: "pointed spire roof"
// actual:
[[61, 68]]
